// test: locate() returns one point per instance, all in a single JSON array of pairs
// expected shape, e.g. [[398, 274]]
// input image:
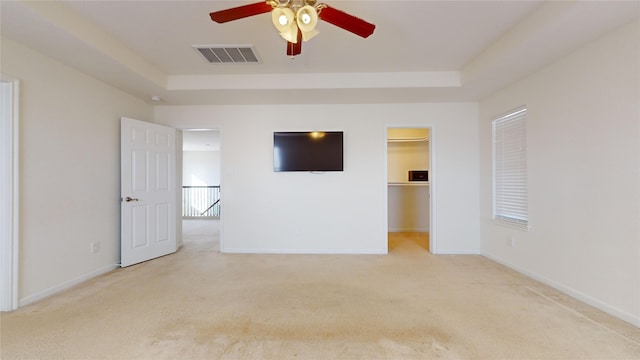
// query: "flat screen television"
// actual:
[[308, 151]]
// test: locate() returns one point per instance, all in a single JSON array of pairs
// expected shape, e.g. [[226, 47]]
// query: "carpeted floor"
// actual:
[[200, 304]]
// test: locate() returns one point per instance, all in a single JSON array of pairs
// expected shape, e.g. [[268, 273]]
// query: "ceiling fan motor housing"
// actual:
[[293, 4]]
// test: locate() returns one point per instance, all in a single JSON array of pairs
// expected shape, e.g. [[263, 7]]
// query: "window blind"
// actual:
[[510, 193]]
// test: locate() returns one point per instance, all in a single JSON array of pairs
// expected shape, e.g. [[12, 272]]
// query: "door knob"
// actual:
[[128, 199]]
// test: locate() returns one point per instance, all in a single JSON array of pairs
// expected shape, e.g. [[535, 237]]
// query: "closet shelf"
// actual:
[[425, 138]]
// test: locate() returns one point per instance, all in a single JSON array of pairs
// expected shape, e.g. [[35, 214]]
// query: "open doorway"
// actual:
[[201, 195], [408, 189]]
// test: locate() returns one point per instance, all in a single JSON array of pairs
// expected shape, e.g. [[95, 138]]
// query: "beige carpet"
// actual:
[[200, 304]]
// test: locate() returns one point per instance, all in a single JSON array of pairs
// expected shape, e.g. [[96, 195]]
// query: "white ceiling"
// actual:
[[421, 51]]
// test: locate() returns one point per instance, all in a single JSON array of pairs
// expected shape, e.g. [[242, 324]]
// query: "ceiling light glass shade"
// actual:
[[307, 35], [282, 18], [290, 34], [307, 19]]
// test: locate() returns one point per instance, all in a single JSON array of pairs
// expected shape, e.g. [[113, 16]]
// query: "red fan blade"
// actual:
[[295, 49], [240, 12], [348, 22]]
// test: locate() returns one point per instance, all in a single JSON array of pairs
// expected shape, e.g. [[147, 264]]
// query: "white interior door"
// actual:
[[148, 191]]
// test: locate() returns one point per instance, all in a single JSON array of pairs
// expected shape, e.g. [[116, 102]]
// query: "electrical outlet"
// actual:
[[95, 247], [512, 241]]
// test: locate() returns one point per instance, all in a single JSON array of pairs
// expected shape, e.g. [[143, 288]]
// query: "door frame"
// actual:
[[9, 189], [432, 180]]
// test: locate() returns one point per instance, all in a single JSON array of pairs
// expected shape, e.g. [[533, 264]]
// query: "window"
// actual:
[[510, 169]]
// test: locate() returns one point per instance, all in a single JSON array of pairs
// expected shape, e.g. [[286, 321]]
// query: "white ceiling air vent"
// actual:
[[228, 54]]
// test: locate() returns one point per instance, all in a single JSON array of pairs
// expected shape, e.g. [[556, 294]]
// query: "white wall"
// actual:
[[583, 139], [201, 168], [69, 171], [342, 212], [408, 207]]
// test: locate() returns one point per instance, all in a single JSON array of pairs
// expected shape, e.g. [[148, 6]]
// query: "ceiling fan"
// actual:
[[296, 20]]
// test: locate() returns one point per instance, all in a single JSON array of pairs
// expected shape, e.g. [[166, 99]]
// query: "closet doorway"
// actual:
[[408, 189]]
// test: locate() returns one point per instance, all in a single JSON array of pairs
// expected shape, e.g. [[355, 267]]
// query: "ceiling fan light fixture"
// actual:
[[307, 16], [307, 35], [307, 19], [296, 20], [290, 34], [282, 18]]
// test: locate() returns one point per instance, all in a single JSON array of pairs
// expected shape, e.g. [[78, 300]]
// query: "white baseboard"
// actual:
[[335, 252], [456, 252], [65, 285], [613, 311], [303, 251]]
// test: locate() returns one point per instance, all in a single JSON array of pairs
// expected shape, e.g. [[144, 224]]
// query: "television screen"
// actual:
[[307, 151]]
